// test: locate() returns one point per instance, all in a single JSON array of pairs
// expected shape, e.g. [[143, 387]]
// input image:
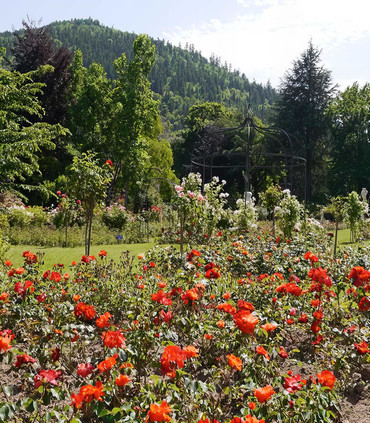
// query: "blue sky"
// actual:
[[259, 37]]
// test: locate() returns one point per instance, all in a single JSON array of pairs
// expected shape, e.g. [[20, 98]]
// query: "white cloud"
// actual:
[[267, 35]]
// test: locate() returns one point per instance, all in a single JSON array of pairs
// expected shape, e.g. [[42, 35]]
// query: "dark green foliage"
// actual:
[[198, 121], [305, 94], [34, 47], [90, 106], [135, 116]]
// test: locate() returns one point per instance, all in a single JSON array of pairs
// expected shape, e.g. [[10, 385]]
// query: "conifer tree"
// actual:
[[306, 91]]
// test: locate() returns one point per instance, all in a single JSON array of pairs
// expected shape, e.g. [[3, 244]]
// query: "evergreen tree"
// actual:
[[306, 91]]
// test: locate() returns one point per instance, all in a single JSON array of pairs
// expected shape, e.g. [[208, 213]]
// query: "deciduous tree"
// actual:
[[89, 182], [20, 138], [350, 116], [89, 114], [135, 116]]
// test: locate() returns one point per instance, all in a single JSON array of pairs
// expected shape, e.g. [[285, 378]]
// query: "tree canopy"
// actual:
[[350, 129]]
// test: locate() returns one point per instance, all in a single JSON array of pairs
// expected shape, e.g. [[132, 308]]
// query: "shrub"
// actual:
[[288, 213], [40, 216], [115, 216], [354, 211], [19, 216], [245, 214]]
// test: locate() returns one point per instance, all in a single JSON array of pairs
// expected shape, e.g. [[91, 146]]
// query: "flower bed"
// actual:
[[241, 329]]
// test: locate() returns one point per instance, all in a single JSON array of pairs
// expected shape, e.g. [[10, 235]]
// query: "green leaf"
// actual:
[[29, 405], [8, 390], [122, 355], [4, 413], [46, 398], [174, 387], [155, 379], [56, 414], [54, 393], [115, 411], [203, 386], [103, 412], [126, 407]]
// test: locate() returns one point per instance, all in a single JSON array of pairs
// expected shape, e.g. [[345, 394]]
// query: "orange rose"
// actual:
[[326, 378], [235, 362], [263, 394]]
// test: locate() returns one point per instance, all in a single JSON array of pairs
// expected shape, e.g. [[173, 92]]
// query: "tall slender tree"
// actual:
[[89, 106], [305, 92], [135, 116]]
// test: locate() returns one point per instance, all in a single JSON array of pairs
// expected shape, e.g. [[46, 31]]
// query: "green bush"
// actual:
[[39, 216], [19, 217], [4, 223], [115, 216]]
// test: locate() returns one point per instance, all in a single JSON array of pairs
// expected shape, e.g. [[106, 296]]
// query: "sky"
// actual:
[[261, 38]]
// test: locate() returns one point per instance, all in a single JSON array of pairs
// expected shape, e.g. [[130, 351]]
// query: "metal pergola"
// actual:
[[247, 160]]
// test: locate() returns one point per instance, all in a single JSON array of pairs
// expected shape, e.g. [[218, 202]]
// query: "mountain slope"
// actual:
[[182, 77]]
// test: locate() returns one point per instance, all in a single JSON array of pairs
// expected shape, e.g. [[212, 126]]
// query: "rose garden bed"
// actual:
[[240, 329]]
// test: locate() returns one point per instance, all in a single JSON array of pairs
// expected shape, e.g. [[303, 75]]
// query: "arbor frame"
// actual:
[[247, 160]]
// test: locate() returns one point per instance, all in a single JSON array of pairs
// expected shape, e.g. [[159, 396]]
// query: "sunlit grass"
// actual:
[[56, 255]]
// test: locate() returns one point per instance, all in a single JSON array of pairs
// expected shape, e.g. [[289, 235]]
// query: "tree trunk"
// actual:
[[89, 218], [126, 194], [112, 185], [182, 218], [89, 234], [86, 236], [335, 239], [308, 176]]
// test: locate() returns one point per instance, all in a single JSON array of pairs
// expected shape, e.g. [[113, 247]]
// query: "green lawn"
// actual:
[[55, 255], [344, 236]]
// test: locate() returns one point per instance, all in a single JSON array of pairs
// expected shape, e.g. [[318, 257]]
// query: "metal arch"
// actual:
[[273, 132]]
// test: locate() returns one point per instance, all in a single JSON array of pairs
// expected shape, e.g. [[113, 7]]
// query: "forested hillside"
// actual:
[[182, 76]]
